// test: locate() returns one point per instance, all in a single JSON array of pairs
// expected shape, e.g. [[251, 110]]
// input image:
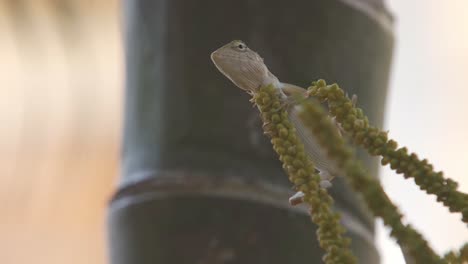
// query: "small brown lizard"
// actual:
[[246, 69]]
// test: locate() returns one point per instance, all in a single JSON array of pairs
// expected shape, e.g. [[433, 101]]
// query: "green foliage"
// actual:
[[376, 142], [301, 172]]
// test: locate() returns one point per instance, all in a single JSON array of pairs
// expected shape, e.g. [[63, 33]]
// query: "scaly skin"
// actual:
[[246, 69]]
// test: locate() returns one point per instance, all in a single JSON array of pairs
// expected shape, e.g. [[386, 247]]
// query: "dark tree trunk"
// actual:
[[200, 183]]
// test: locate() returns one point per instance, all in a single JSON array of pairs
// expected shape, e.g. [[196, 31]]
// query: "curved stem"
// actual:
[[301, 172], [376, 142], [320, 124]]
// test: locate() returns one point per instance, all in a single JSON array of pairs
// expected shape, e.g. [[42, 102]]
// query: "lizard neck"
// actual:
[[271, 79]]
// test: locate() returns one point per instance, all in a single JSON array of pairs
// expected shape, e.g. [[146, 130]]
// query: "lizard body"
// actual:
[[246, 69]]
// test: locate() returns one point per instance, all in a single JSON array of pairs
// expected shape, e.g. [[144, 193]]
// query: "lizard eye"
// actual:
[[240, 46]]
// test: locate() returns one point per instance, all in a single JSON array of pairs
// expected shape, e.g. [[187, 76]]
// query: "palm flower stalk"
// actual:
[[319, 123], [376, 142], [301, 173], [460, 257]]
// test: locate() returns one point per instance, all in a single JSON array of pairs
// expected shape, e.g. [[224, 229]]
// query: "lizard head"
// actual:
[[243, 66]]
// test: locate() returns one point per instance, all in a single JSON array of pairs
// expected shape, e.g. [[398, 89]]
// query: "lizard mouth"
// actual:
[[217, 56]]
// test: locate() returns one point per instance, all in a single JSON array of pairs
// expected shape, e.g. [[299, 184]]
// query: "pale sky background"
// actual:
[[427, 110]]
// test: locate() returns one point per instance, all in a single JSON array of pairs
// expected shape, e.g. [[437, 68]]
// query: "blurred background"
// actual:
[[60, 111], [61, 86]]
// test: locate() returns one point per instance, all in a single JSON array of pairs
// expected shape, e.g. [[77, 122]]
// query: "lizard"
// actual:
[[247, 70]]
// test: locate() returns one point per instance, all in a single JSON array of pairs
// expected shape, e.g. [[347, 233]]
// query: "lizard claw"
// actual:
[[265, 125], [252, 100], [341, 131]]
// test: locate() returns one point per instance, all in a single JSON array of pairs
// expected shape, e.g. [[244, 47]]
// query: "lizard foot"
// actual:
[[267, 128], [296, 199], [325, 184]]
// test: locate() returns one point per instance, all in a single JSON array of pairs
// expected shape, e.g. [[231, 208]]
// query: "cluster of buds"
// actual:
[[319, 123], [301, 173], [376, 142]]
